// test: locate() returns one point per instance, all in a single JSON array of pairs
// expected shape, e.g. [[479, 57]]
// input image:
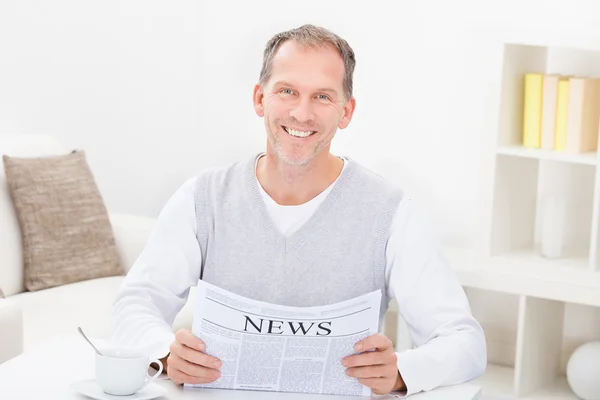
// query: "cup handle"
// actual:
[[153, 377]]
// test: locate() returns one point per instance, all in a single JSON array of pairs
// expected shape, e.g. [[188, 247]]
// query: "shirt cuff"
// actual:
[[408, 366]]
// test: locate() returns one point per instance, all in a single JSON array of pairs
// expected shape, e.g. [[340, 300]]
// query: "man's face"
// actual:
[[303, 102]]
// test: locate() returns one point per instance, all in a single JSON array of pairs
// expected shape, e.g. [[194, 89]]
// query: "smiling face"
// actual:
[[303, 102]]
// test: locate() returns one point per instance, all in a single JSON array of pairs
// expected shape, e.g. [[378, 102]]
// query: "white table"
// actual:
[[47, 371]]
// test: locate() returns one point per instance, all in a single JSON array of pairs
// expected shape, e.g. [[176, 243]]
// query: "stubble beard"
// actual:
[[287, 158]]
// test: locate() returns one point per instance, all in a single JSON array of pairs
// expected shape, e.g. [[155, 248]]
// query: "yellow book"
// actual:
[[562, 110], [532, 110]]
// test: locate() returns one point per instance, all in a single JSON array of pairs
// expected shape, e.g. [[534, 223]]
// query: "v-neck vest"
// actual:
[[338, 254]]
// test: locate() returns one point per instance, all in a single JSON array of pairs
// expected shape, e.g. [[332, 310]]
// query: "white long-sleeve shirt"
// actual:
[[449, 343]]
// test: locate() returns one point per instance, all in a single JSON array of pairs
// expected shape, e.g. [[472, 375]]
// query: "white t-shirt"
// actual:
[[290, 218]]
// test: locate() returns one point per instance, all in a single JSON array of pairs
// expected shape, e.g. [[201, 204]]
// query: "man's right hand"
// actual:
[[187, 362]]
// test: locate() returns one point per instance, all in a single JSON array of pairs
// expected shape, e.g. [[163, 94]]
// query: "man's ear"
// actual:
[[349, 108], [258, 98]]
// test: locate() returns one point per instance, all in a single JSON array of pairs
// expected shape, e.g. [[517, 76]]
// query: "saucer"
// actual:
[[90, 388]]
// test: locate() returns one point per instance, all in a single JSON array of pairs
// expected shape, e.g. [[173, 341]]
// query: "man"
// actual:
[[299, 226]]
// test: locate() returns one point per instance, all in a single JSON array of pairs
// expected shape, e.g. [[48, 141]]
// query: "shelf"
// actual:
[[536, 192], [571, 269], [536, 198], [539, 154], [527, 274], [498, 384], [529, 197]]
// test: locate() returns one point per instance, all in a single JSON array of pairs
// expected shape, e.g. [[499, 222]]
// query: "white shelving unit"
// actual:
[[525, 353]]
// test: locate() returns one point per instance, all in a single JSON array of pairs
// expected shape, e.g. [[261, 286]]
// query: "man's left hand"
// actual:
[[376, 369]]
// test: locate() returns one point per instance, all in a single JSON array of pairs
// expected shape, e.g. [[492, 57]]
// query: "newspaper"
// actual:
[[270, 347]]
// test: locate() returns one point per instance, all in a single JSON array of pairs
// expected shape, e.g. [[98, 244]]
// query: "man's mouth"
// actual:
[[297, 133]]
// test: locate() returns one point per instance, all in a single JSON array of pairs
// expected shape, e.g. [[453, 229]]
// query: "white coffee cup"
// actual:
[[122, 372]]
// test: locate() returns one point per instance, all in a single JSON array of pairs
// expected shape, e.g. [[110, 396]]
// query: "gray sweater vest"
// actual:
[[338, 254]]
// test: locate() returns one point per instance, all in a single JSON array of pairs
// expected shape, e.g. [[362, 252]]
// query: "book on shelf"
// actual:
[[532, 114], [549, 108], [561, 113], [583, 115], [562, 106]]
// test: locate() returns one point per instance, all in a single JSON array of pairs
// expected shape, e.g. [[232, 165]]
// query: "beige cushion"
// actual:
[[66, 233], [11, 246]]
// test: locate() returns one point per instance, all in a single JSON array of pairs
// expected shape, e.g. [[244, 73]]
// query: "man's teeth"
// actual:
[[298, 133]]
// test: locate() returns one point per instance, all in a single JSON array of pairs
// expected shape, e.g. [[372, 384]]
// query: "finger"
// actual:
[[197, 357], [180, 377], [377, 341], [192, 369], [370, 358], [374, 371], [186, 337], [377, 385]]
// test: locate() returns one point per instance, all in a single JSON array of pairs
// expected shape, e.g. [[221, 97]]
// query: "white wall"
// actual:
[[120, 79], [156, 90]]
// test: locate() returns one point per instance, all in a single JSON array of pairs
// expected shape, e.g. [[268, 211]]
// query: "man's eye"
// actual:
[[287, 91], [323, 97]]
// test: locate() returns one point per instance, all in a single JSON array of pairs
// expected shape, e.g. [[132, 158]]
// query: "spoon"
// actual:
[[88, 340]]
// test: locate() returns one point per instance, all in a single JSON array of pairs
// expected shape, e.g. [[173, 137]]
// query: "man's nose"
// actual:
[[302, 110]]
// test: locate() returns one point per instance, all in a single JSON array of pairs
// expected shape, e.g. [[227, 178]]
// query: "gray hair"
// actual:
[[310, 35]]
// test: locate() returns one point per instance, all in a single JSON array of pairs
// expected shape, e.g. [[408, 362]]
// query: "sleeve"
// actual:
[[157, 286], [449, 344]]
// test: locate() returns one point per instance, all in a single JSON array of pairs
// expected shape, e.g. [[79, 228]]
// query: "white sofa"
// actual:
[[27, 318]]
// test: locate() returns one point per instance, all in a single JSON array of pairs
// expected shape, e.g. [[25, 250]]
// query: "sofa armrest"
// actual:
[[11, 326], [131, 234]]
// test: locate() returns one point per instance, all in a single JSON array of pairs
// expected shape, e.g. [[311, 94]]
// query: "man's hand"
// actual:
[[187, 363], [375, 369]]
